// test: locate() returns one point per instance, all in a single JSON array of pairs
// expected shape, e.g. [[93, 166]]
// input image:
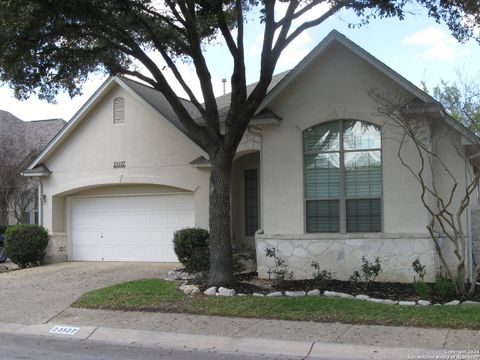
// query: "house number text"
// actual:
[[119, 164]]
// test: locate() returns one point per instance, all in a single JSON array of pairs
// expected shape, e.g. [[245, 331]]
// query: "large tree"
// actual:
[[461, 98], [17, 193], [47, 46]]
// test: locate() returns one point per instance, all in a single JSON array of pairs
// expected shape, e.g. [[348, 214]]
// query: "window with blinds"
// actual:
[[343, 177], [119, 110]]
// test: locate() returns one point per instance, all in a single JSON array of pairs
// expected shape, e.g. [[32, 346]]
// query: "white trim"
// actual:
[[201, 166], [70, 126], [139, 194], [36, 174]]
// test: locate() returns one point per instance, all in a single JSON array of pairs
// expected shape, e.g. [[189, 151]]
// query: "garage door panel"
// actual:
[[125, 220], [86, 237], [88, 253], [128, 203], [156, 219], [93, 220], [129, 228], [188, 217], [92, 204]]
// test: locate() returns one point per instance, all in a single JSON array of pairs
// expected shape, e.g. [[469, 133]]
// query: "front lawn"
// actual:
[[162, 296]]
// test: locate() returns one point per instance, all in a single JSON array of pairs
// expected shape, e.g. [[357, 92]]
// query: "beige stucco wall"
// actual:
[[335, 87], [339, 86], [156, 156], [448, 145]]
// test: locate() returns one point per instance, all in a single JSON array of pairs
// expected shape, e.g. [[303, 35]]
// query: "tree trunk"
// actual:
[[461, 277], [3, 212], [221, 260]]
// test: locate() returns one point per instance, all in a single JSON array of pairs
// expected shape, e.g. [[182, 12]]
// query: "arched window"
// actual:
[[343, 177], [118, 110]]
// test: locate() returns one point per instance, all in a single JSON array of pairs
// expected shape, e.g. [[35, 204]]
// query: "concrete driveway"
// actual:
[[35, 295]]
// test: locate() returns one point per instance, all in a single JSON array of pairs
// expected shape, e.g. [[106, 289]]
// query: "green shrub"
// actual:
[[192, 248], [3, 228], [322, 277], [445, 287], [422, 289], [280, 270], [25, 244], [369, 272]]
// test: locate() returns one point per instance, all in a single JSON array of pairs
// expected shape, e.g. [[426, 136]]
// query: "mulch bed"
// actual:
[[249, 283]]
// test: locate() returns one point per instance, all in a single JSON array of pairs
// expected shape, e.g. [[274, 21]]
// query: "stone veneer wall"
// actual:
[[56, 248], [342, 254]]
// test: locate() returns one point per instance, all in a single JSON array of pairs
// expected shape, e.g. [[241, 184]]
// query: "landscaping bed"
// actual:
[[248, 283]]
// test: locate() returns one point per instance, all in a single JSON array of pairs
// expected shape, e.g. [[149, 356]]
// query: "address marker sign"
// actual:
[[64, 330]]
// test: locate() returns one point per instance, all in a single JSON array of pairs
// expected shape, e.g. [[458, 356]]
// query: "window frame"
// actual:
[[342, 199]]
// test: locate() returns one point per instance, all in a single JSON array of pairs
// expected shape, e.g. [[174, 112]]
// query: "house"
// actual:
[[19, 142], [317, 174]]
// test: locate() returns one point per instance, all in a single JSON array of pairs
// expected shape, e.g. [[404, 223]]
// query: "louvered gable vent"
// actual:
[[119, 110]]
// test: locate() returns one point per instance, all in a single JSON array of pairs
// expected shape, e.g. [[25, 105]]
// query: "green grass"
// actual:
[[161, 295]]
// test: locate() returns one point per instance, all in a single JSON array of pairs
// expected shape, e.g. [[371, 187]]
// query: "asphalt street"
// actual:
[[41, 348]]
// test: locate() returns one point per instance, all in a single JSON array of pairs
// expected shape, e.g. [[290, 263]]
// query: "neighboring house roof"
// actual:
[[27, 137]]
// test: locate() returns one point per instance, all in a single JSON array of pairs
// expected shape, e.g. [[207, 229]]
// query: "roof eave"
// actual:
[[437, 110], [40, 171]]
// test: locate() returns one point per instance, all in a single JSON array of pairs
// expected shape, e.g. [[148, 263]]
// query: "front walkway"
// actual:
[[35, 295]]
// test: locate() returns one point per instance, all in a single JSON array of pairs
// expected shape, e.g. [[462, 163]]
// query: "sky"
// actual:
[[418, 48]]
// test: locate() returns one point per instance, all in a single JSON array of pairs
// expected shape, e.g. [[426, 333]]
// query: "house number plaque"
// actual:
[[119, 164]]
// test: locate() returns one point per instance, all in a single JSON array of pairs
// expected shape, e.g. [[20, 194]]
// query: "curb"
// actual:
[[221, 344]]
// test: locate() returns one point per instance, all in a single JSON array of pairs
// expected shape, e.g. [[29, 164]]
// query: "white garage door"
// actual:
[[128, 228]]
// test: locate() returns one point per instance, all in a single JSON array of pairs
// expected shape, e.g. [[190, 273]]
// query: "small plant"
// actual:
[[419, 285], [280, 271], [369, 272], [322, 277], [421, 289], [25, 244], [419, 269], [192, 248], [244, 261], [445, 287]]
